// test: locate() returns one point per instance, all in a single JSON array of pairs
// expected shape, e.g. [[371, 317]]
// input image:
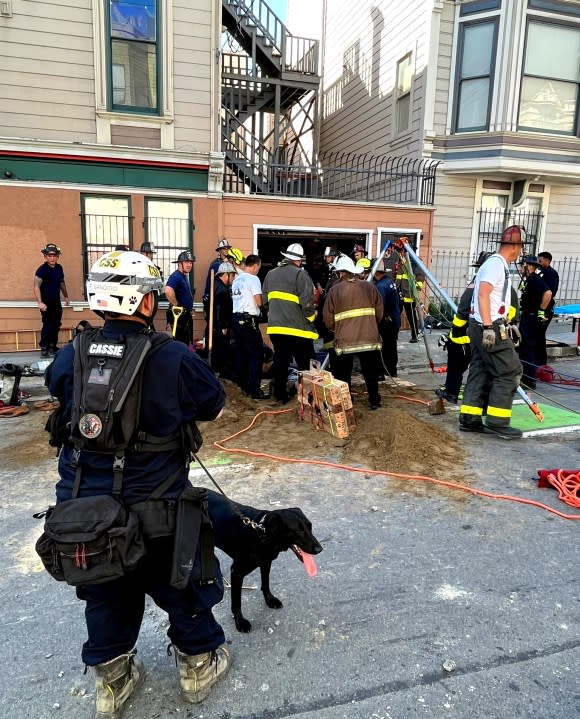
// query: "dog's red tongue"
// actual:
[[307, 560]]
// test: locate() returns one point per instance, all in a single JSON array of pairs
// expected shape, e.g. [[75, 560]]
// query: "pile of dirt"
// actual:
[[399, 437]]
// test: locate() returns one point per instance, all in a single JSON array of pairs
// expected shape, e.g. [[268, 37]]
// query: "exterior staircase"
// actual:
[[269, 80]]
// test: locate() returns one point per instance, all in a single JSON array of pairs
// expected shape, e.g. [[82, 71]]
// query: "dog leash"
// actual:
[[257, 526]]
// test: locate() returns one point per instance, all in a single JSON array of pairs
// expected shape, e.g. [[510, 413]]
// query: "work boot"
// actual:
[[503, 432], [198, 673], [44, 352], [444, 394], [115, 681], [466, 425]]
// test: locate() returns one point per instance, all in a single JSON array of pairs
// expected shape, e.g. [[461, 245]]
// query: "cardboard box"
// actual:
[[325, 402]]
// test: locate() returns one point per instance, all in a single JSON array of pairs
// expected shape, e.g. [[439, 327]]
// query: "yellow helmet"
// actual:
[[364, 262], [235, 255]]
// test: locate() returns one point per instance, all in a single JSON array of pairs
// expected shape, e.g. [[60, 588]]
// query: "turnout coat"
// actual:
[[353, 310]]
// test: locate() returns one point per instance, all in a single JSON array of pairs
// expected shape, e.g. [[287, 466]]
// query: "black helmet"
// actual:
[[51, 249], [483, 256], [185, 256], [147, 247]]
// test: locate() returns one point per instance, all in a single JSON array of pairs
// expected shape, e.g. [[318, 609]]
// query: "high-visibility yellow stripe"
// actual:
[[499, 412], [349, 314], [464, 340], [311, 318], [307, 334], [402, 277], [468, 409], [511, 313], [286, 296], [408, 299], [358, 348], [457, 322]]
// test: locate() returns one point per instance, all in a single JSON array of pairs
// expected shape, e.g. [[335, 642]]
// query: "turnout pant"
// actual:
[[389, 335], [458, 358], [369, 363], [411, 312], [249, 353], [51, 321], [286, 347], [493, 379], [114, 611]]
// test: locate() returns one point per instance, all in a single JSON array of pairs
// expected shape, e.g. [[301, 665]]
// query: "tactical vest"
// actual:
[[108, 385]]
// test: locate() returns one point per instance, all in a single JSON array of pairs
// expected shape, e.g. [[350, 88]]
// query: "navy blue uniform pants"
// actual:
[[51, 321], [389, 335], [249, 353], [532, 347], [114, 611]]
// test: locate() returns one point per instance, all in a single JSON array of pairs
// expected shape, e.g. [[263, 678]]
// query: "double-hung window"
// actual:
[[474, 81], [134, 55], [404, 81], [551, 79]]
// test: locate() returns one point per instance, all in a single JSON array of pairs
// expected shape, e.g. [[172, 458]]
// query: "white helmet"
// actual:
[[345, 264], [118, 281], [294, 252]]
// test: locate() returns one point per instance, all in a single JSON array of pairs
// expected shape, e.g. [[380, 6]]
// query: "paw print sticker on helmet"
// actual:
[[132, 300]]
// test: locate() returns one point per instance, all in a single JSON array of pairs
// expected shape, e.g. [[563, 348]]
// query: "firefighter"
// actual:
[[288, 296], [358, 252], [223, 246], [179, 295], [457, 341], [49, 286], [365, 265], [535, 302], [495, 369], [408, 284], [221, 355], [330, 254], [353, 311], [390, 324]]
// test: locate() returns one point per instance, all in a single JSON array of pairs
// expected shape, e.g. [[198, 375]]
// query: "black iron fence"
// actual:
[[493, 222], [347, 176], [453, 271]]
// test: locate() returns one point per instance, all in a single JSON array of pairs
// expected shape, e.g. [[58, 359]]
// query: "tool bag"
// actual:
[[90, 540]]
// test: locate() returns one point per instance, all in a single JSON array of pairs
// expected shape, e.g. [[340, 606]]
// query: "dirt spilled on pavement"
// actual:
[[28, 444], [399, 437]]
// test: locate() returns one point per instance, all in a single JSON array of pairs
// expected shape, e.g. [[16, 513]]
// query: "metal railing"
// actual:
[[453, 271], [396, 180], [493, 222], [296, 54]]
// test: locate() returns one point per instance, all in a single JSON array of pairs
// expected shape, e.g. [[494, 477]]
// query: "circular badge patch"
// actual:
[[90, 426]]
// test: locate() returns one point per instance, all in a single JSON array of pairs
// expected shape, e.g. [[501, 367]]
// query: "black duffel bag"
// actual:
[[90, 540]]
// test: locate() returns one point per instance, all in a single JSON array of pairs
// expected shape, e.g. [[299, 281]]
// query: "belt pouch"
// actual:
[[191, 525]]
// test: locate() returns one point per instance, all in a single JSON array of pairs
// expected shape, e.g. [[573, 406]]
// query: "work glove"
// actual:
[[514, 334], [488, 338], [542, 316]]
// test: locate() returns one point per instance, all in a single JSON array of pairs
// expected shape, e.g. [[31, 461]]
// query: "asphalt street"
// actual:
[[427, 602]]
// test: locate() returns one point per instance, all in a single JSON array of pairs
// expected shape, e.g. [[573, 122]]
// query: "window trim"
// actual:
[[493, 20], [398, 132], [84, 196], [546, 131], [133, 109]]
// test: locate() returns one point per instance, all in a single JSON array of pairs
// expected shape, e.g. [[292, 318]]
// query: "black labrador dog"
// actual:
[[254, 538]]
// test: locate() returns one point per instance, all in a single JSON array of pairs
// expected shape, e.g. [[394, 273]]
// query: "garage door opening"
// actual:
[[272, 241]]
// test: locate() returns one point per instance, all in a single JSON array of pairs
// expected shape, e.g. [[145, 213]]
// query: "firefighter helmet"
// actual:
[[118, 281]]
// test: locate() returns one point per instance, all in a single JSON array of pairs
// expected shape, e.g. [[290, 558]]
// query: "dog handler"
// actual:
[[177, 389], [495, 369]]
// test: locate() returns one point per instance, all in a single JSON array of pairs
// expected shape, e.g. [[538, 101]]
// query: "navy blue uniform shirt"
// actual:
[[179, 283], [51, 278], [390, 294], [532, 294], [177, 386], [214, 266]]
